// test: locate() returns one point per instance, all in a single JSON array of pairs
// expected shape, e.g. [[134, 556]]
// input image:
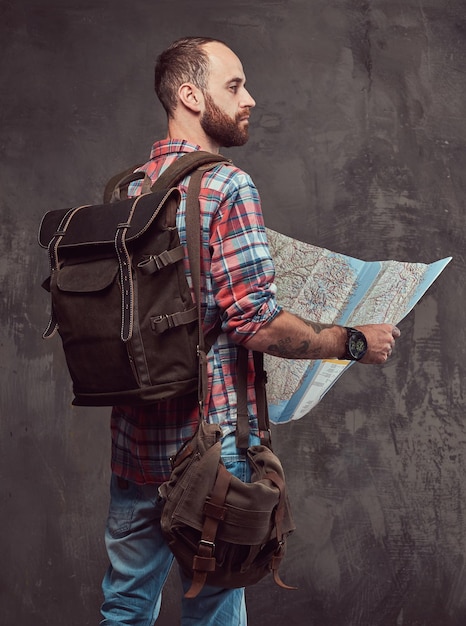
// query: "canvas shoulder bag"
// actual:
[[225, 532]]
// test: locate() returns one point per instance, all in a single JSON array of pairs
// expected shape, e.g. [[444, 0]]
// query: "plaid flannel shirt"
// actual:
[[237, 287]]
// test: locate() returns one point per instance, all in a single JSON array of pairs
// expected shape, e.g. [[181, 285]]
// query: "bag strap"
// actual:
[[200, 161], [260, 381], [214, 513], [193, 238], [204, 161], [54, 263]]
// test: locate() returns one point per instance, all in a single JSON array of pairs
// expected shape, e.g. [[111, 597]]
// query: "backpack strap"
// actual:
[[52, 325], [115, 187], [186, 164]]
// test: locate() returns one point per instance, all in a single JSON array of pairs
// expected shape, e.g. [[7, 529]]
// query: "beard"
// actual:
[[223, 129]]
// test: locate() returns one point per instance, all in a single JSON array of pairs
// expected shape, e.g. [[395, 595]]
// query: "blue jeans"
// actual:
[[140, 560]]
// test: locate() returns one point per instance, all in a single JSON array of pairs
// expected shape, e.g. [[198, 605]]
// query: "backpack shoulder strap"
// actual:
[[170, 177], [184, 165]]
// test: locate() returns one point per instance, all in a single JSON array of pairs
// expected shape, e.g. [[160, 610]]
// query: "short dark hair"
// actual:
[[183, 61]]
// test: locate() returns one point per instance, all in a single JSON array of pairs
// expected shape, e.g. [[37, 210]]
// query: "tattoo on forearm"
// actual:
[[287, 350], [316, 326]]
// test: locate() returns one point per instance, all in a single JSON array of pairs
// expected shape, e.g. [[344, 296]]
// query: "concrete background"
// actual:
[[358, 145]]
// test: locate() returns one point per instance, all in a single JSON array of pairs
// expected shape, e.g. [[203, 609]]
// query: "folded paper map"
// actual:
[[327, 287]]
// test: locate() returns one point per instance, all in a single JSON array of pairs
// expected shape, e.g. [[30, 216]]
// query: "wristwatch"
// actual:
[[355, 346]]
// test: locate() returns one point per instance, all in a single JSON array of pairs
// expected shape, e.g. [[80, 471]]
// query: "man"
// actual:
[[201, 84]]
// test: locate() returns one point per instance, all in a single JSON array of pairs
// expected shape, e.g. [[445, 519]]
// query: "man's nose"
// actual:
[[248, 100]]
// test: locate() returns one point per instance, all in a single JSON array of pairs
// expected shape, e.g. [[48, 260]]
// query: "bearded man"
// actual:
[[202, 87]]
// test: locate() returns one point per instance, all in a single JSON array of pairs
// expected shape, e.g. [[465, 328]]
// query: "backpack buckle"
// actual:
[[161, 323]]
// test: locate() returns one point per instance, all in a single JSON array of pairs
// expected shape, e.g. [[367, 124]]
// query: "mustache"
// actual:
[[245, 113]]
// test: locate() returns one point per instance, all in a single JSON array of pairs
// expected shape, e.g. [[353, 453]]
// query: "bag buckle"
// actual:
[[162, 323], [265, 437], [208, 544]]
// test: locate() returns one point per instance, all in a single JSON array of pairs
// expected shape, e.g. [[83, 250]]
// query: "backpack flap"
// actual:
[[100, 231], [91, 225]]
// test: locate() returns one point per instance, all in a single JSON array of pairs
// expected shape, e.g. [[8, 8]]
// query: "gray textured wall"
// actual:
[[358, 144]]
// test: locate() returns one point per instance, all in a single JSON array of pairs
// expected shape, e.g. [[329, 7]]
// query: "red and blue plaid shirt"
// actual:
[[237, 288]]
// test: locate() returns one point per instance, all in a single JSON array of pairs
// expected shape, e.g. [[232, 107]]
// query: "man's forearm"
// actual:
[[291, 337]]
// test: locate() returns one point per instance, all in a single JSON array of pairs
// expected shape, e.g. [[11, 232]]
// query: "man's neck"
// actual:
[[192, 134]]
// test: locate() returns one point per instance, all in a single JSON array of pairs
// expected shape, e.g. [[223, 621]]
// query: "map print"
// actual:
[[328, 287]]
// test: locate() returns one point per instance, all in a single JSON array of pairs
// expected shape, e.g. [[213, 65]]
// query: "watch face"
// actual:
[[357, 345]]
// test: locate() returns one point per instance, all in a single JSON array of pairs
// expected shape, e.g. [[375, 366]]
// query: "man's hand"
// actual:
[[380, 342]]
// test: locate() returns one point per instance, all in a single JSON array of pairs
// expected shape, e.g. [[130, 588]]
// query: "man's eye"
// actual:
[[234, 88]]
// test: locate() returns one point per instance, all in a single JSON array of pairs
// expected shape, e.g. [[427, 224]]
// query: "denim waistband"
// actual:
[[230, 450]]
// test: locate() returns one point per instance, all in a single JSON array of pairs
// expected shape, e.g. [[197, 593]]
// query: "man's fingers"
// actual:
[[381, 339], [395, 334]]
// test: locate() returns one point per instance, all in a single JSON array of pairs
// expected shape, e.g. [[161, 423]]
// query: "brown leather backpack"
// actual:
[[120, 301]]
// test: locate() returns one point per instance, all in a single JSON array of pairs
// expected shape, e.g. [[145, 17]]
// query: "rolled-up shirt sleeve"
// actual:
[[242, 270]]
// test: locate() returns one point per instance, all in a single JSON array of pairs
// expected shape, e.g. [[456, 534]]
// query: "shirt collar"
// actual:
[[166, 147]]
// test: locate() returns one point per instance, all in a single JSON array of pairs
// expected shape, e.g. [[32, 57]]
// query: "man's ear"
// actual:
[[191, 96]]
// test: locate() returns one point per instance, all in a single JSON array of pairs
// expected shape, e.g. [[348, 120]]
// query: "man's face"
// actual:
[[226, 131], [225, 118]]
